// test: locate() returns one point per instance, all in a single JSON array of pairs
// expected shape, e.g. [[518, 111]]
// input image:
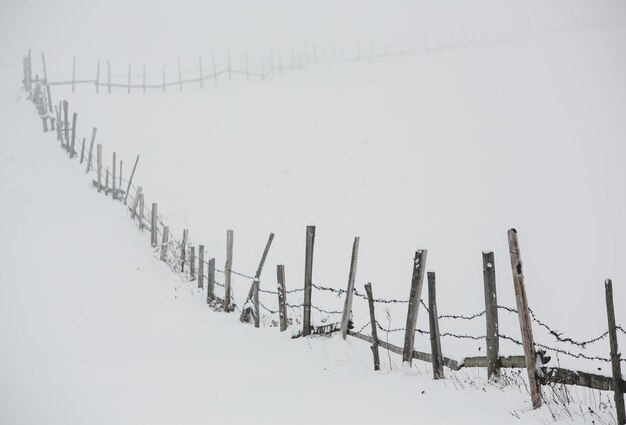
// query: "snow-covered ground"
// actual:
[[443, 150]]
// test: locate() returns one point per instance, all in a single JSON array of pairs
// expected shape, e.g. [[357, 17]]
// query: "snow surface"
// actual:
[[444, 150]]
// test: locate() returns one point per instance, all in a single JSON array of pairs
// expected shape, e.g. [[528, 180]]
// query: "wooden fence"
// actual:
[[183, 257]]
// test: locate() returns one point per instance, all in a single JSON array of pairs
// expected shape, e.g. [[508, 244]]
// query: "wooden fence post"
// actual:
[[72, 146], [417, 281], [154, 222], [109, 76], [374, 347], [130, 181], [66, 125], [491, 316], [183, 249], [133, 211], [254, 288], [308, 280], [142, 206], [164, 242], [615, 354], [347, 306], [228, 271], [99, 162], [214, 66], [120, 183], [435, 341], [82, 151], [106, 181], [113, 190], [210, 283], [282, 297], [192, 262], [46, 83], [524, 319], [89, 157], [200, 266]]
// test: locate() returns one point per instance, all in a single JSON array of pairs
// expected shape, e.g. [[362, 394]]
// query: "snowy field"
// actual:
[[445, 149]]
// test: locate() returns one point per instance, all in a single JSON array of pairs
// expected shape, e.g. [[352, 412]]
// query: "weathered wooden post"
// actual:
[[154, 222], [192, 263], [99, 162], [524, 319], [282, 297], [72, 146], [113, 186], [435, 341], [200, 266], [347, 306], [228, 269], [308, 279], [417, 281], [374, 346], [82, 151], [89, 157], [491, 316], [142, 206], [210, 284], [183, 250], [164, 242], [253, 294], [133, 212], [214, 66], [615, 354], [130, 181]]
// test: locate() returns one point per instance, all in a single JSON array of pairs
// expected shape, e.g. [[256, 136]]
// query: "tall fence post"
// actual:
[[615, 354], [491, 316], [210, 283], [73, 144], [130, 181], [183, 250], [200, 266], [253, 294], [374, 346], [417, 281], [99, 165], [90, 156], [192, 262], [347, 306], [308, 280], [524, 319], [282, 297], [435, 340], [164, 241], [153, 223], [228, 271]]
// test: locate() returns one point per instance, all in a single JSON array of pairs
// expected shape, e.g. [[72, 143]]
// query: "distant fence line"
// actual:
[[213, 71], [194, 266]]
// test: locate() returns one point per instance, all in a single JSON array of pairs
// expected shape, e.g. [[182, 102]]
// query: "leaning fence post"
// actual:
[[130, 181], [200, 266], [417, 281], [282, 297], [153, 223], [164, 242], [374, 347], [254, 288], [615, 354], [435, 341], [228, 271], [491, 316], [524, 319], [99, 162], [347, 307], [133, 212], [308, 280], [93, 139], [82, 151], [210, 283]]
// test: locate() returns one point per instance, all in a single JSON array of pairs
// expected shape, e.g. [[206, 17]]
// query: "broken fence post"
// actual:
[[130, 181], [253, 294]]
